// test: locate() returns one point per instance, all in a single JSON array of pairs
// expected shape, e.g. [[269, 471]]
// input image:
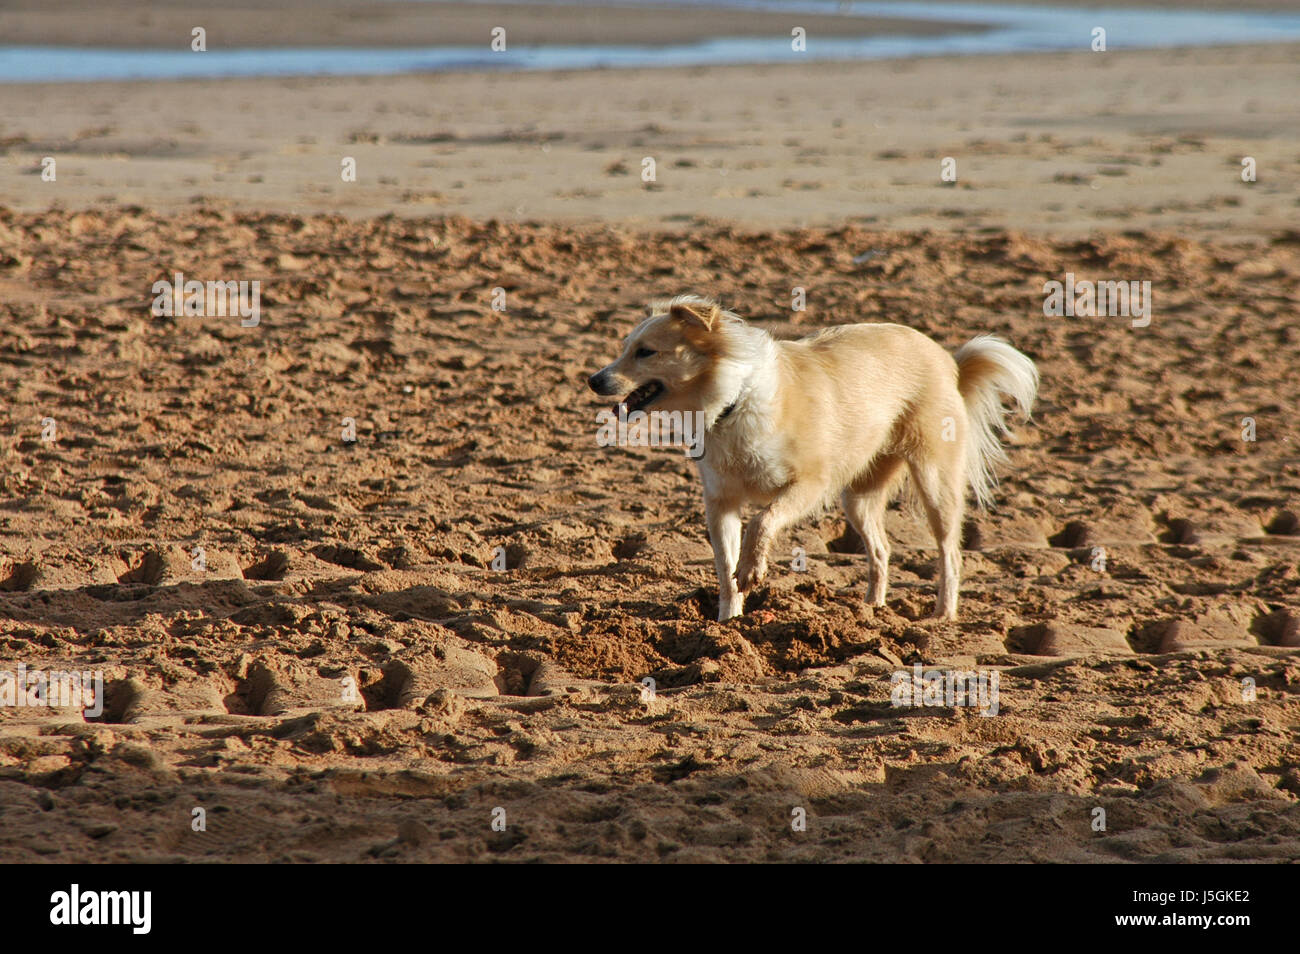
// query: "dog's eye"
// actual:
[[645, 353]]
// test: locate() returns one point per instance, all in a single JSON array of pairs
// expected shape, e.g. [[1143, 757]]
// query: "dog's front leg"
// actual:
[[724, 534], [791, 504]]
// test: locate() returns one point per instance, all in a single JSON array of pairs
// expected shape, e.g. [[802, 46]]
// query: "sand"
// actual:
[[167, 24], [1059, 144], [344, 676], [362, 23], [1122, 686]]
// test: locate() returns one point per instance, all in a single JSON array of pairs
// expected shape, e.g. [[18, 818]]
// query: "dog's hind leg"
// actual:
[[724, 534], [864, 504], [943, 494]]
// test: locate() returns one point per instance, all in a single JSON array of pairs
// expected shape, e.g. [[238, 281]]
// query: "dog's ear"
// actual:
[[692, 314]]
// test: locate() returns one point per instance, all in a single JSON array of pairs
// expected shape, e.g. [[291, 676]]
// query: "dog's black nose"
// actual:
[[597, 382]]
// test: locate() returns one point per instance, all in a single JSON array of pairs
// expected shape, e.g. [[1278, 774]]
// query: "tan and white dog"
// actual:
[[851, 410]]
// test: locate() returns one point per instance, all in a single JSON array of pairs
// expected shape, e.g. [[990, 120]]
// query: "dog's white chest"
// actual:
[[743, 461]]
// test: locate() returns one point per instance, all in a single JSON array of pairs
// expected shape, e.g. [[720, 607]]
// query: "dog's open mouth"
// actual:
[[642, 397]]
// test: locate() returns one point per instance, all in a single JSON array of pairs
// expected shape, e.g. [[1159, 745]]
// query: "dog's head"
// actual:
[[670, 359]]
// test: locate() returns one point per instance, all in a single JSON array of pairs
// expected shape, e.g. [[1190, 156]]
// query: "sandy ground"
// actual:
[[1122, 686], [167, 24], [281, 23], [1283, 6], [346, 677], [1060, 144]]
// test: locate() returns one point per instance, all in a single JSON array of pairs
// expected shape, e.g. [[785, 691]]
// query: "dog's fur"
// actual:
[[850, 410]]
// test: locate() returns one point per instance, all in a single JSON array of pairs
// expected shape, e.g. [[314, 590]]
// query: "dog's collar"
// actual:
[[726, 411], [735, 403]]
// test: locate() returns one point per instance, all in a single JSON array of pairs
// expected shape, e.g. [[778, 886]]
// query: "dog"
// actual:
[[853, 410]]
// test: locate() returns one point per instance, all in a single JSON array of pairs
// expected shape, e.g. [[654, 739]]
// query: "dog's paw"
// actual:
[[750, 573]]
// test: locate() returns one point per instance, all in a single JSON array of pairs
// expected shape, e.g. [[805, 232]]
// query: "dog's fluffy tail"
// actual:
[[987, 369]]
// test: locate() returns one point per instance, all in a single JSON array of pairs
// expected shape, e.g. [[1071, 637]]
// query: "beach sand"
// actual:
[[1060, 143], [344, 675], [1123, 681], [164, 24], [289, 23]]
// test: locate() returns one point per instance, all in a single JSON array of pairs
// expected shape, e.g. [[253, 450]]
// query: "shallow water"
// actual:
[[1011, 29]]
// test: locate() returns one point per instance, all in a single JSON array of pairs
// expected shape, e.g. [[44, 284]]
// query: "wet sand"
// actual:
[[1054, 143], [297, 23]]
